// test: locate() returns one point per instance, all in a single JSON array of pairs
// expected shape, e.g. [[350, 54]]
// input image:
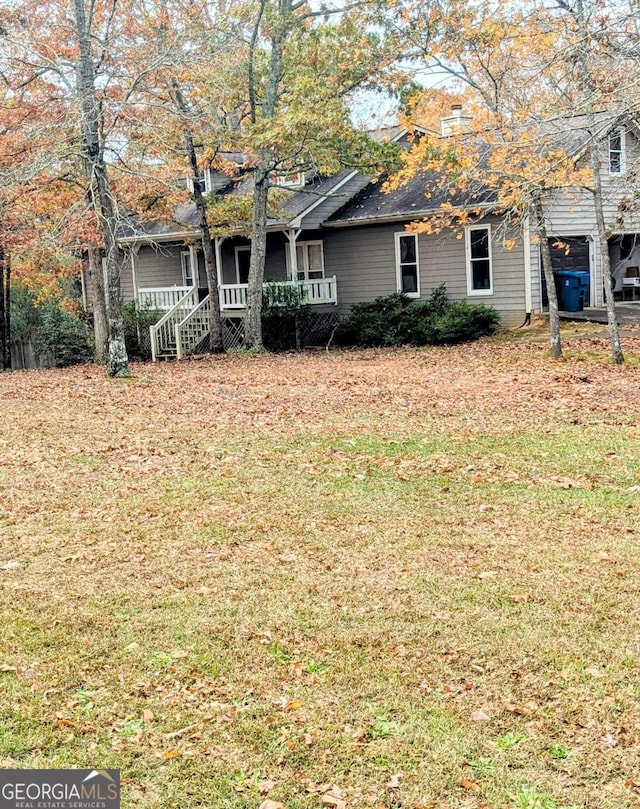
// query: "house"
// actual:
[[342, 240]]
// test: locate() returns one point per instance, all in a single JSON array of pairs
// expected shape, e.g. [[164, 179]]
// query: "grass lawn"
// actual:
[[378, 579]]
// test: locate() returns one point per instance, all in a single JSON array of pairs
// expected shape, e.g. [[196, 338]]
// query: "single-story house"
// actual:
[[342, 240]]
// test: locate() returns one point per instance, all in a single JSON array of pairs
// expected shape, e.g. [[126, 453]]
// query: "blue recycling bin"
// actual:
[[573, 289]]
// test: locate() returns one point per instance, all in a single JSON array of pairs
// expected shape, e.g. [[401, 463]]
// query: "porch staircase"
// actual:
[[163, 333], [191, 331]]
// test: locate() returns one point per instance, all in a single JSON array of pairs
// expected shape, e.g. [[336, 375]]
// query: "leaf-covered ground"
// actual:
[[376, 579]]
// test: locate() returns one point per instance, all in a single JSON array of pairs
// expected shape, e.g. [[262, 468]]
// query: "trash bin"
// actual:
[[573, 289]]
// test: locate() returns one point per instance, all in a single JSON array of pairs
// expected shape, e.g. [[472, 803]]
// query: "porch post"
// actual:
[[133, 257], [195, 270], [292, 236], [218, 251], [217, 244]]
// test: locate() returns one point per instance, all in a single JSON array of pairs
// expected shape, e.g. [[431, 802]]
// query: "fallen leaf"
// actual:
[[467, 783], [264, 787], [593, 671], [174, 734], [132, 647], [517, 709], [147, 715], [329, 799], [170, 754], [294, 705], [522, 598], [394, 782], [10, 565], [603, 556], [178, 654], [206, 591], [7, 667], [269, 804], [480, 716], [609, 741], [488, 574]]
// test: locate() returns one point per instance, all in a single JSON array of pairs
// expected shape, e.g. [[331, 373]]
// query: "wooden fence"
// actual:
[[25, 357]]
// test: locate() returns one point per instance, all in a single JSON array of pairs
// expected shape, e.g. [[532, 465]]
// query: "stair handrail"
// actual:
[[187, 299], [185, 322]]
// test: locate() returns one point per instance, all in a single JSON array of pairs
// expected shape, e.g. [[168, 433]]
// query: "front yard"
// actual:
[[372, 579]]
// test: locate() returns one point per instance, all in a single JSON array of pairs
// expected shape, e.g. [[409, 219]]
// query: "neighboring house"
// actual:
[[342, 240]]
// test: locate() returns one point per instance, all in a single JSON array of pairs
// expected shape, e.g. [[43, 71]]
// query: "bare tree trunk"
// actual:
[[605, 260], [102, 198], [4, 306], [7, 308], [253, 330], [253, 324], [215, 321], [577, 11], [547, 268], [100, 323]]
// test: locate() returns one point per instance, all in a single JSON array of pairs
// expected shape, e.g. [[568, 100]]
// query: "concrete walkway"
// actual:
[[627, 313]]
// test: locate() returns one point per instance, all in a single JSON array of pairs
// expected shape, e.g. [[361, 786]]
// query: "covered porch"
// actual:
[[233, 297], [185, 311]]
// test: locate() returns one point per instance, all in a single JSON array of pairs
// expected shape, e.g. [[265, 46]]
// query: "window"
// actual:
[[310, 258], [243, 259], [203, 182], [479, 272], [407, 271], [292, 179], [188, 278], [616, 152]]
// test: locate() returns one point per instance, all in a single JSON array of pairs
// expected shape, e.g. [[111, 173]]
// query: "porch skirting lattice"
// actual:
[[315, 330]]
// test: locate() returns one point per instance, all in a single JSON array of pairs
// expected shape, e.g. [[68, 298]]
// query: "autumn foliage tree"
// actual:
[[525, 69], [84, 61]]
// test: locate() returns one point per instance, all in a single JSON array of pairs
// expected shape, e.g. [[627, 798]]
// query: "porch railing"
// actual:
[[190, 331], [162, 298], [320, 290], [163, 332]]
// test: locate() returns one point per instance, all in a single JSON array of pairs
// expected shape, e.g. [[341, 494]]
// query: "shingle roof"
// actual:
[[421, 195], [426, 192]]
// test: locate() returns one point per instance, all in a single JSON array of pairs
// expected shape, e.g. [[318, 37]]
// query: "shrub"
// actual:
[[62, 335], [137, 320], [396, 320], [284, 311], [375, 323]]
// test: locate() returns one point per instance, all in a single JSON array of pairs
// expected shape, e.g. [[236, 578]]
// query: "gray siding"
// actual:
[[157, 266], [572, 212], [364, 261]]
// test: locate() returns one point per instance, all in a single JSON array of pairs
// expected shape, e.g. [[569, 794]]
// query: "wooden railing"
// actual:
[[163, 332], [320, 290], [193, 329], [162, 298]]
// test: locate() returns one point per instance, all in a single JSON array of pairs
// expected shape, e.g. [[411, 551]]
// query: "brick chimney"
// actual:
[[456, 122]]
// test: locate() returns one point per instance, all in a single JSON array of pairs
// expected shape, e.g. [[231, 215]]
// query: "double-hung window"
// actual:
[[203, 182], [616, 152], [479, 267], [407, 269]]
